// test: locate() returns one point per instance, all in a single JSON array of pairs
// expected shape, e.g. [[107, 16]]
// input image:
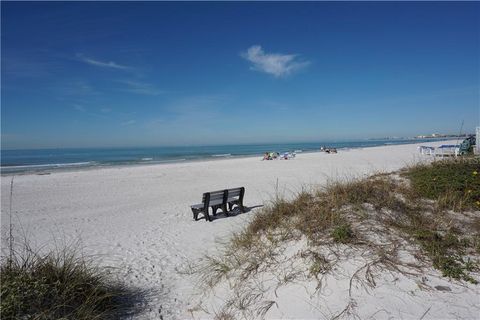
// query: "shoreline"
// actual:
[[83, 166]]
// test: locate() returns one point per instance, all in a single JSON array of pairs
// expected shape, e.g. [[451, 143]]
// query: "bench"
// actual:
[[219, 200]]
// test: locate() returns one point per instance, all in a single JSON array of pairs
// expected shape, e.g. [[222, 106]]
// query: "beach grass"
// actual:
[[59, 285]]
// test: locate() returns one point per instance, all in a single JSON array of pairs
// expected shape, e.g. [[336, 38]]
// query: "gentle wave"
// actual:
[[147, 159], [222, 155], [170, 161], [72, 164]]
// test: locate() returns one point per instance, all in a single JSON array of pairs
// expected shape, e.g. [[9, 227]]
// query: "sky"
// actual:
[[122, 74]]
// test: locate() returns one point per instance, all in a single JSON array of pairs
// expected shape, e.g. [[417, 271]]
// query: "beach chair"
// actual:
[[466, 145], [447, 150], [426, 150]]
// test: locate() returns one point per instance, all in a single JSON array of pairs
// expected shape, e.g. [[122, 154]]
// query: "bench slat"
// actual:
[[213, 195], [216, 196], [216, 202], [234, 193]]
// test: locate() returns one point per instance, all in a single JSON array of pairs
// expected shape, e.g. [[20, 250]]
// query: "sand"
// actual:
[[137, 220]]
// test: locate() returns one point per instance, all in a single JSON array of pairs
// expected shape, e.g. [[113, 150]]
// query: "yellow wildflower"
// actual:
[[475, 172], [469, 191]]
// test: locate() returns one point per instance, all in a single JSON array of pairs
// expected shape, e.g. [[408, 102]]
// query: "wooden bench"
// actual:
[[219, 200]]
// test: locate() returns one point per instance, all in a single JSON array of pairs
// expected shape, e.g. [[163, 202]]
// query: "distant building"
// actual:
[[441, 135]]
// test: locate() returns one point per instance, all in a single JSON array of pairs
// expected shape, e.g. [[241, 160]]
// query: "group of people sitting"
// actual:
[[271, 155], [328, 150], [276, 155], [291, 155]]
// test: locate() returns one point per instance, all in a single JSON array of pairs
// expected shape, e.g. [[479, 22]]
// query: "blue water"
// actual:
[[16, 161]]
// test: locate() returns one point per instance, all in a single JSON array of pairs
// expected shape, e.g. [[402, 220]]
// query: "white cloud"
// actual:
[[104, 64], [277, 64], [141, 88]]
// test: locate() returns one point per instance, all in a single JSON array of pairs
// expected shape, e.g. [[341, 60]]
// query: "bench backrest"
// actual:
[[213, 195], [223, 195], [235, 192]]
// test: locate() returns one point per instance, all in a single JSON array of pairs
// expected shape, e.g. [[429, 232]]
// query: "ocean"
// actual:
[[41, 160]]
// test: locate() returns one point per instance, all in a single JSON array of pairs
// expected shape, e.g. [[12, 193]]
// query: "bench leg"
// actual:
[[224, 209], [195, 214], [230, 206]]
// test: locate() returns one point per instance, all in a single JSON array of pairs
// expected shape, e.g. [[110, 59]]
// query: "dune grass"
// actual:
[[366, 214], [59, 285]]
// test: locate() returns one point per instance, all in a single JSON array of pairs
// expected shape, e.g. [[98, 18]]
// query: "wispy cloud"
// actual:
[[276, 64], [141, 88], [66, 89], [92, 111], [128, 123], [103, 64]]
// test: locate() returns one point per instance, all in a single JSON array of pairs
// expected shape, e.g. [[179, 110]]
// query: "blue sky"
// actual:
[[88, 74]]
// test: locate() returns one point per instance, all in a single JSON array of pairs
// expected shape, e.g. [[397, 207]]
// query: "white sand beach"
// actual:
[[137, 220]]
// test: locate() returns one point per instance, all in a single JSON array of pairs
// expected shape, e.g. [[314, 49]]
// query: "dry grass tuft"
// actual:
[[60, 285]]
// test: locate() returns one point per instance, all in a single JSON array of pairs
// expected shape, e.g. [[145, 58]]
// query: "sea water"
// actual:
[[40, 160]]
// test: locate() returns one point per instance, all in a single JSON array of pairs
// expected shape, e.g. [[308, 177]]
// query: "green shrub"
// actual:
[[342, 233], [455, 184]]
